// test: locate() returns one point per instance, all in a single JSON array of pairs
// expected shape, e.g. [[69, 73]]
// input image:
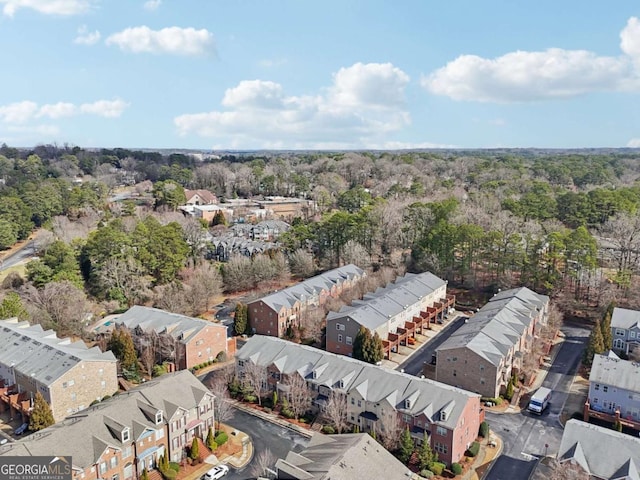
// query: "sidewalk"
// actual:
[[487, 454], [273, 418]]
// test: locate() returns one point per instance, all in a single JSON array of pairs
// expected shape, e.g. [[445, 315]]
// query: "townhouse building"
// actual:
[[193, 341], [625, 330], [482, 354], [614, 390], [274, 313], [120, 437], [396, 312], [601, 452], [446, 416], [200, 197], [68, 374]]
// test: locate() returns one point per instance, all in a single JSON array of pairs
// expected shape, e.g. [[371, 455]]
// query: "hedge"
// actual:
[[222, 438], [437, 468], [484, 430], [473, 450], [328, 429], [456, 468], [426, 473], [174, 466]]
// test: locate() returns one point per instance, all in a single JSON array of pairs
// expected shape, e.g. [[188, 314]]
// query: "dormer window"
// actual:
[[341, 384], [158, 417], [443, 416], [407, 403], [126, 436]]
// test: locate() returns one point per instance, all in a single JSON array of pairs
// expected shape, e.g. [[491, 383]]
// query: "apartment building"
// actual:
[[194, 340], [395, 312], [68, 374], [120, 437], [274, 313], [625, 330], [483, 353], [448, 417]]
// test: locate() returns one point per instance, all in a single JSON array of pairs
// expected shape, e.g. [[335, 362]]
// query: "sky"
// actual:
[[331, 74]]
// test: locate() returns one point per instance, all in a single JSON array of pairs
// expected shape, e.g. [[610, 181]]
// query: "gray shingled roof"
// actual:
[[376, 308], [625, 318], [302, 291], [41, 354], [615, 372], [498, 325], [342, 457], [153, 319], [85, 435], [602, 452], [372, 382]]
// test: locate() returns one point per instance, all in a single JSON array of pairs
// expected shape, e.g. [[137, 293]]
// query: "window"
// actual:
[[359, 403], [340, 337], [159, 433], [125, 435], [126, 451], [406, 419], [114, 462], [440, 447], [597, 386], [349, 340], [103, 468], [100, 371], [605, 389], [481, 368], [338, 326], [620, 332], [632, 334], [595, 401], [442, 431], [455, 374], [481, 381], [71, 383], [200, 342], [73, 397], [353, 401], [103, 384]]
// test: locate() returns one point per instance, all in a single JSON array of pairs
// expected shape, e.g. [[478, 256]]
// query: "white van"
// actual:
[[540, 400]]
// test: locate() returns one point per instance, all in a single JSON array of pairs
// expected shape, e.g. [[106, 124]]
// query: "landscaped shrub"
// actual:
[[484, 430], [221, 357], [456, 468], [222, 438], [473, 449], [168, 474], [328, 429], [287, 413], [174, 466], [106, 397], [426, 473], [437, 468], [250, 398], [159, 370]]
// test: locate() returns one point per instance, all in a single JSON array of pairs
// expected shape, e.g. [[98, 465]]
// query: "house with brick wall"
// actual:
[[67, 373], [120, 437], [274, 313], [396, 312], [200, 197], [448, 417], [194, 340], [484, 352]]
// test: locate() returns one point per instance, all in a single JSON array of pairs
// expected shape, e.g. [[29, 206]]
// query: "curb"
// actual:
[[276, 421], [498, 454]]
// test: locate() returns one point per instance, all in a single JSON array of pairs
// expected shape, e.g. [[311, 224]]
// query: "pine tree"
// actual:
[[210, 439], [12, 306], [377, 349], [606, 326], [41, 415], [240, 319], [595, 345], [145, 475], [362, 345], [195, 449], [426, 455], [165, 461], [406, 446], [121, 344]]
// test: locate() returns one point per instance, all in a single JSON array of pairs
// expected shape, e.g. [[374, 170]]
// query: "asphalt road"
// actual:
[[526, 436], [413, 365], [264, 435], [28, 251]]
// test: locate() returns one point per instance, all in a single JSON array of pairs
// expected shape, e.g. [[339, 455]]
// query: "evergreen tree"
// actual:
[[145, 475], [12, 306], [195, 449], [426, 455], [165, 461], [377, 349], [240, 319], [41, 415], [606, 326], [406, 446], [595, 345], [362, 344], [121, 344], [211, 441]]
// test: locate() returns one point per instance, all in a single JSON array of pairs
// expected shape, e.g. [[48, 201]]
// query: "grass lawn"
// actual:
[[21, 269]]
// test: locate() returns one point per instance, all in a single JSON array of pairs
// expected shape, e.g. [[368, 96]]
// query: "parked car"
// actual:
[[21, 429], [215, 473]]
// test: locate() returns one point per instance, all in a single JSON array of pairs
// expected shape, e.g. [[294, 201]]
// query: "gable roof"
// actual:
[[498, 325], [205, 195], [625, 318], [616, 372], [602, 452], [376, 308], [373, 383], [309, 288], [87, 434], [149, 319], [342, 457], [40, 354]]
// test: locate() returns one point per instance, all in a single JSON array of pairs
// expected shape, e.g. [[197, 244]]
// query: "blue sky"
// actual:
[[296, 74]]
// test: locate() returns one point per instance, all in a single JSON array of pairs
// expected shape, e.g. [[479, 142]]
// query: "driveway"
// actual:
[[528, 437], [264, 435]]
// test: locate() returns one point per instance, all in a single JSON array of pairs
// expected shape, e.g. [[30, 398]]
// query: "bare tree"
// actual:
[[281, 266], [354, 252], [388, 429], [126, 275], [203, 283], [263, 269], [171, 297], [622, 232], [337, 410], [567, 471], [194, 234], [147, 357], [301, 263], [255, 378], [262, 464], [237, 273], [299, 394], [312, 321], [223, 410], [58, 305]]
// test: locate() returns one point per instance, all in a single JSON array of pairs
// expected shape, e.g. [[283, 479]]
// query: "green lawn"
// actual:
[[20, 268]]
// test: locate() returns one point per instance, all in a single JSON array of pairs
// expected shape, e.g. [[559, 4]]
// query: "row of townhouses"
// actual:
[[274, 313], [447, 417], [120, 437], [68, 374], [395, 312]]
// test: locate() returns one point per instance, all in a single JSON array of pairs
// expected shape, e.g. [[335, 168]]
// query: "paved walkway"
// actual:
[[273, 418]]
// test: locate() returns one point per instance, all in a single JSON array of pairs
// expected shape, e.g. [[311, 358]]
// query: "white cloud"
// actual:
[[529, 76], [105, 108], [634, 143], [85, 37], [47, 7], [152, 5], [363, 105], [171, 40], [22, 112]]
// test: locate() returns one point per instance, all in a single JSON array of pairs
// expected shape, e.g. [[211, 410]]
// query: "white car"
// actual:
[[215, 473]]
